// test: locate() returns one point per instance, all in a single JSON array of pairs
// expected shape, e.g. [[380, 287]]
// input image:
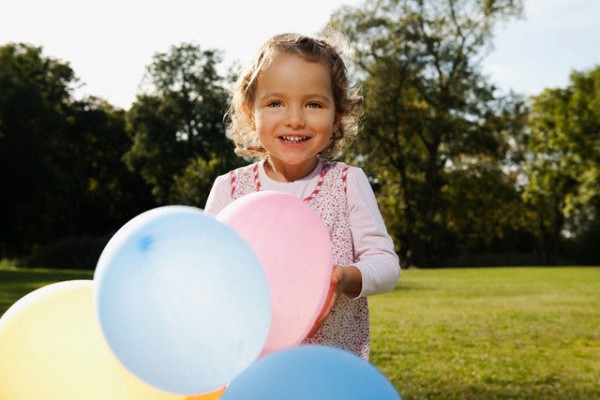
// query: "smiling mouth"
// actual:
[[294, 139]]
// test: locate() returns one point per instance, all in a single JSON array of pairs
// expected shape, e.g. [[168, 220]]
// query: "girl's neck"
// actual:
[[288, 173]]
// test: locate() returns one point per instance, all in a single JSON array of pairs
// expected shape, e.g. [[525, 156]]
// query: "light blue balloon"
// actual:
[[182, 300], [311, 372]]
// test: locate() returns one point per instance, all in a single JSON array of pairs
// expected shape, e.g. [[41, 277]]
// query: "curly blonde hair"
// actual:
[[348, 103]]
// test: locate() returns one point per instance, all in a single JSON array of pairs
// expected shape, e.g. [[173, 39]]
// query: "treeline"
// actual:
[[74, 171], [464, 175]]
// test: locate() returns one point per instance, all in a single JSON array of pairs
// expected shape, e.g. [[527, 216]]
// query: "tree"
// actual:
[[429, 110], [193, 184], [62, 176], [180, 119], [564, 162], [105, 194], [34, 101]]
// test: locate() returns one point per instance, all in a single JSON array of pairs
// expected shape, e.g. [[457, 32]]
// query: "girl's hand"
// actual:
[[344, 280]]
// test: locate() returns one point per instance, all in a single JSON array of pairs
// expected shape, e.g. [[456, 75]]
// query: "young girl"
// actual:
[[292, 109]]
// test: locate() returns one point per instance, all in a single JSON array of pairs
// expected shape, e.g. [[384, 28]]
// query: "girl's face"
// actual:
[[294, 112]]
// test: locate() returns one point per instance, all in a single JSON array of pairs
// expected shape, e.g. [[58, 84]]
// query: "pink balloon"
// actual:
[[294, 248]]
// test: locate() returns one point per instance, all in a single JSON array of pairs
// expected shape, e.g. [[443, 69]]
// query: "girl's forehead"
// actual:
[[295, 67], [294, 71], [292, 64], [277, 55]]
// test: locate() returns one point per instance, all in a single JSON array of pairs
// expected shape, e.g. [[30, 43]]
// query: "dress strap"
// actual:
[[345, 178], [255, 175], [232, 182], [324, 169]]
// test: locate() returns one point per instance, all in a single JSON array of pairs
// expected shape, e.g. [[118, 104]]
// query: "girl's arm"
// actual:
[[374, 253], [219, 196], [376, 268]]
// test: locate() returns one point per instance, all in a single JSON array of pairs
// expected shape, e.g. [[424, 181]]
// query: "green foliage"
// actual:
[[461, 174], [193, 185], [584, 248], [482, 207], [563, 163], [179, 119], [61, 159], [104, 194], [34, 101], [429, 110], [78, 253]]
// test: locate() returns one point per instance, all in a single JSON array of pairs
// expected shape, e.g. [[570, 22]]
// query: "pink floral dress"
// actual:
[[347, 326]]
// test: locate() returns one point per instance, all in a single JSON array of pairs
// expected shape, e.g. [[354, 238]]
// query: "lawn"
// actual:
[[487, 333], [16, 283], [491, 333]]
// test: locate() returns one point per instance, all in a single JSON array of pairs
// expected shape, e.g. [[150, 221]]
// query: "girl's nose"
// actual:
[[295, 118]]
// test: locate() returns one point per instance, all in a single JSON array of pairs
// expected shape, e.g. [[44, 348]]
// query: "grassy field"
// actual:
[[16, 283], [489, 333]]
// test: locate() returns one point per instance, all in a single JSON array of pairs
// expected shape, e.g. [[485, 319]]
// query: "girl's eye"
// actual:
[[275, 104], [313, 105]]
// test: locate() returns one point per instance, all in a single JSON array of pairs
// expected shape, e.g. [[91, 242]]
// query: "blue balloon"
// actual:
[[311, 372], [182, 300]]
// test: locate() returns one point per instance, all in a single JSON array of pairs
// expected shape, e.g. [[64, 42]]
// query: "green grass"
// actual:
[[16, 283], [489, 333]]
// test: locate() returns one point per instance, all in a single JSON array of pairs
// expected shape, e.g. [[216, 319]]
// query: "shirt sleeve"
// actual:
[[219, 196], [374, 252]]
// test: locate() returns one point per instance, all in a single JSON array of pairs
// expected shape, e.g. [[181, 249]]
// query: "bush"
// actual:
[[81, 252], [489, 259]]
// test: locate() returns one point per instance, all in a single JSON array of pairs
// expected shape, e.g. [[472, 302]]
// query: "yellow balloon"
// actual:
[[52, 348]]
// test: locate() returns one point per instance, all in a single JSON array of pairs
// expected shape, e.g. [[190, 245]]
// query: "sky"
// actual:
[[109, 43]]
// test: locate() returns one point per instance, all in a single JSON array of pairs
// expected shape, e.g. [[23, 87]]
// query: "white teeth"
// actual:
[[294, 139]]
